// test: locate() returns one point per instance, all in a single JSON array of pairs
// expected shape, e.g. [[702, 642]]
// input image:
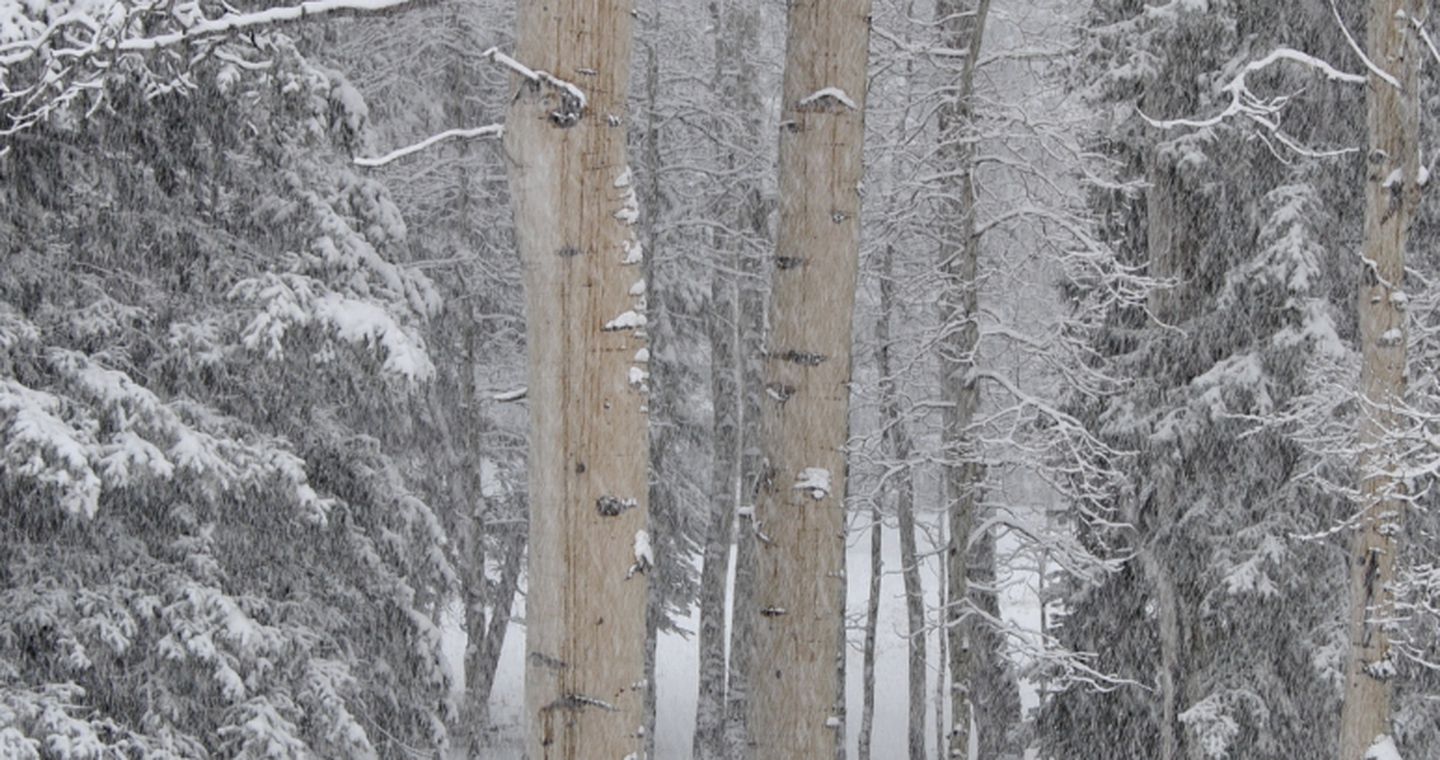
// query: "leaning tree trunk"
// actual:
[[799, 510], [574, 208], [1392, 194], [962, 23]]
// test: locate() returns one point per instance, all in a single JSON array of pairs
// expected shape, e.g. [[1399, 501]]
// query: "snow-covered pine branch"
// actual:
[[50, 62]]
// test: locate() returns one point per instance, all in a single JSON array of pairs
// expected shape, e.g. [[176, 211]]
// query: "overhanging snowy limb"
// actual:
[[1264, 112], [48, 63]]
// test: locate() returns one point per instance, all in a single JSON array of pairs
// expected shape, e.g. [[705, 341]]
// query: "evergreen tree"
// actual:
[[209, 545]]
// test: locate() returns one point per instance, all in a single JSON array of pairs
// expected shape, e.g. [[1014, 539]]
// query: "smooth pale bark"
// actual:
[[799, 512], [1392, 195], [962, 26], [574, 207]]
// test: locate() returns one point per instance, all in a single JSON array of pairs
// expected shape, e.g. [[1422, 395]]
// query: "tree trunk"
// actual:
[[724, 496], [941, 649], [483, 658], [997, 692], [1166, 598], [574, 207], [723, 328], [671, 565], [1172, 251], [914, 610], [962, 25], [744, 618], [1392, 194], [872, 624], [898, 447], [736, 316], [799, 511]]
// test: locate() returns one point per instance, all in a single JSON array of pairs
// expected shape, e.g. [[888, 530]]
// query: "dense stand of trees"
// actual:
[[1116, 317]]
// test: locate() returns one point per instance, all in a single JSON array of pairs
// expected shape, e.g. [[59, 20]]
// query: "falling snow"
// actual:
[[324, 324]]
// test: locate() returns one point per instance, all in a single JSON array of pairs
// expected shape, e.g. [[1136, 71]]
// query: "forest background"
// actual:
[[263, 482]]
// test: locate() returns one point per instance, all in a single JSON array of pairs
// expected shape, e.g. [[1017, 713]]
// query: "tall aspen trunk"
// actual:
[[1392, 194], [799, 511], [962, 25], [574, 210]]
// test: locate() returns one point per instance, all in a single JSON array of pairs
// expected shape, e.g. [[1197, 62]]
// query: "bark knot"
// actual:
[[803, 358]]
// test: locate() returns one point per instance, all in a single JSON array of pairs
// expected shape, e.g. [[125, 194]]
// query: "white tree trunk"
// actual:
[[804, 418], [1392, 194], [574, 208]]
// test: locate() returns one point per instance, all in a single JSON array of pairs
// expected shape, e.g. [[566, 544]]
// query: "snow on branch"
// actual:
[[194, 26], [1265, 112], [489, 130], [1384, 75], [1425, 37], [538, 77], [48, 63]]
